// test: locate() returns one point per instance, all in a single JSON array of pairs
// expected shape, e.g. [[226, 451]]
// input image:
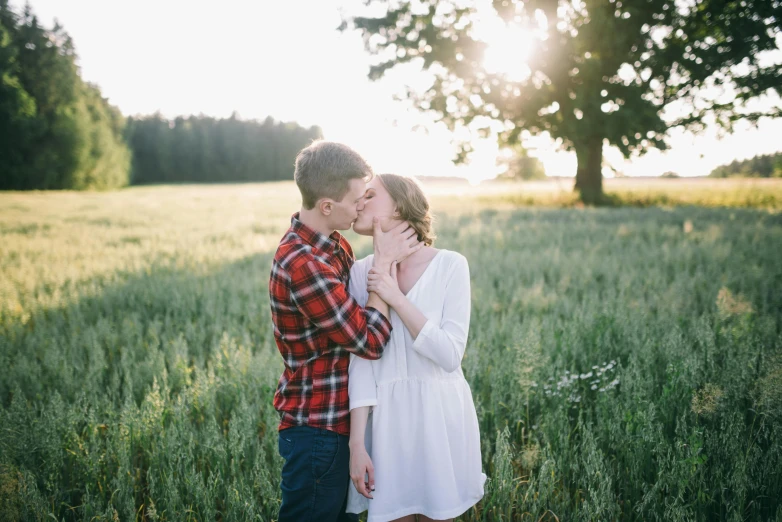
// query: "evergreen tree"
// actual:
[[59, 133], [17, 114], [205, 149], [764, 166]]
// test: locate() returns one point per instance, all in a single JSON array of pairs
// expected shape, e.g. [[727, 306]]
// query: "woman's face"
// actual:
[[376, 202]]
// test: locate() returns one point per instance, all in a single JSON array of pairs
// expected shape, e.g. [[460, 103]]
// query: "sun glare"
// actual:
[[508, 50]]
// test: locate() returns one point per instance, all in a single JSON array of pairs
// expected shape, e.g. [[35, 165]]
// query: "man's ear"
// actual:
[[325, 206]]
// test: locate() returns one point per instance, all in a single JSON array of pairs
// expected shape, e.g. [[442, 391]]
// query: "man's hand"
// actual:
[[395, 245], [360, 467]]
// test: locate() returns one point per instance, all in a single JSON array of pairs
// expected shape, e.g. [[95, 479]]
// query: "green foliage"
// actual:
[[602, 73], [57, 132], [763, 166], [204, 149], [625, 363], [17, 110]]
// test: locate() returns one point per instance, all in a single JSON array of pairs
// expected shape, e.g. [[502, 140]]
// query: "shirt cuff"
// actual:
[[363, 402], [379, 321], [423, 335]]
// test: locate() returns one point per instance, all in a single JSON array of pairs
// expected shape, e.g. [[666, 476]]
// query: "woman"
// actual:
[[418, 453]]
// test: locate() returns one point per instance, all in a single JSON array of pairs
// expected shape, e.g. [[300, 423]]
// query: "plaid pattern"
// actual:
[[316, 324]]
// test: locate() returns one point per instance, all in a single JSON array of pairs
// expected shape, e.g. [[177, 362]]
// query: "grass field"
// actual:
[[646, 192], [626, 363]]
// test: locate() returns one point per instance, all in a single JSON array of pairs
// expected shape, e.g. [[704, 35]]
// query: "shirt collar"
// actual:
[[330, 244]]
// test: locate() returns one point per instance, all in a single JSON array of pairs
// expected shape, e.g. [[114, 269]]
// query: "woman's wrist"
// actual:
[[383, 265], [355, 442], [397, 300]]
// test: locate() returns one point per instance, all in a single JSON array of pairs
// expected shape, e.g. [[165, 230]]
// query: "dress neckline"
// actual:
[[431, 262]]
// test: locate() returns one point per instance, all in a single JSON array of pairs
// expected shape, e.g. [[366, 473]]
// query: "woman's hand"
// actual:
[[385, 285], [360, 467]]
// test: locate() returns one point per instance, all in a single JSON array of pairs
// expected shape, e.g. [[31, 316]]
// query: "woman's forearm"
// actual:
[[358, 425], [413, 319]]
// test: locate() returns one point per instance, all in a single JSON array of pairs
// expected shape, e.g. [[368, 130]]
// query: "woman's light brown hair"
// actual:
[[412, 205]]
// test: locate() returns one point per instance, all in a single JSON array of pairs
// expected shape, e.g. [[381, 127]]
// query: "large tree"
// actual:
[[601, 72]]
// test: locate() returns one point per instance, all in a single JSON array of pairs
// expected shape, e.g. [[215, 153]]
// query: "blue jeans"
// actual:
[[315, 475]]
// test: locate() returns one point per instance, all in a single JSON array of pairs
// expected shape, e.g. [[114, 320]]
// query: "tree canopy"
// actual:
[[600, 72]]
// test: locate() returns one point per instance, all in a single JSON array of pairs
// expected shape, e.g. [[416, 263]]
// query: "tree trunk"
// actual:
[[589, 176]]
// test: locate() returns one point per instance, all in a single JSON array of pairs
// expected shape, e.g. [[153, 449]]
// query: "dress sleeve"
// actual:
[[444, 343], [362, 389], [361, 376], [358, 279]]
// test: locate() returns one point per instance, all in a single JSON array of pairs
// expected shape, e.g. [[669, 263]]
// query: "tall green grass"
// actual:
[[626, 364]]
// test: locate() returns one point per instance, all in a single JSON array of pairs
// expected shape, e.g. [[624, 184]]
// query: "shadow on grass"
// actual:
[[83, 344]]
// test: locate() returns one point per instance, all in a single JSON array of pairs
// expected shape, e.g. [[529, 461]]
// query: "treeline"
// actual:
[[765, 166], [58, 132], [204, 149]]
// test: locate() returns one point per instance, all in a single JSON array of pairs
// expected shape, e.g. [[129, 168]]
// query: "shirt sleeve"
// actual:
[[445, 343], [323, 298], [362, 387]]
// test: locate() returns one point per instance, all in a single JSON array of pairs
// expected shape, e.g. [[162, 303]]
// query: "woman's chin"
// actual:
[[359, 227]]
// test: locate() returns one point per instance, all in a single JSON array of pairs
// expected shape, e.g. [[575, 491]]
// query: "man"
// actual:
[[316, 326]]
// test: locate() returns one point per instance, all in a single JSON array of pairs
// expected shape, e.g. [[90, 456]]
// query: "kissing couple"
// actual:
[[375, 412]]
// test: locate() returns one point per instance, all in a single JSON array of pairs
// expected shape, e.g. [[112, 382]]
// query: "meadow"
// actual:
[[626, 363]]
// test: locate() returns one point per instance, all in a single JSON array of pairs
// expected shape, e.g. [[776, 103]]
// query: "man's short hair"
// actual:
[[324, 170]]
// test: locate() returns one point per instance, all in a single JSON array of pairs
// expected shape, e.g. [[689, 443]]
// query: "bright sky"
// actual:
[[287, 60]]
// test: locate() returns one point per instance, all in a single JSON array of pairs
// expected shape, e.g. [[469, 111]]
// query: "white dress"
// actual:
[[422, 434]]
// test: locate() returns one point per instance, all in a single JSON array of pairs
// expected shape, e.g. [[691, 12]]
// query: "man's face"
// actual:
[[345, 212]]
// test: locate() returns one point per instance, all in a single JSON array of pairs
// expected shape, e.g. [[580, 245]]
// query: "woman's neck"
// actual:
[[416, 257]]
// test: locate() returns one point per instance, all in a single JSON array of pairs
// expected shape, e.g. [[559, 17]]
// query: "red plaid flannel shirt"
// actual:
[[316, 324]]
